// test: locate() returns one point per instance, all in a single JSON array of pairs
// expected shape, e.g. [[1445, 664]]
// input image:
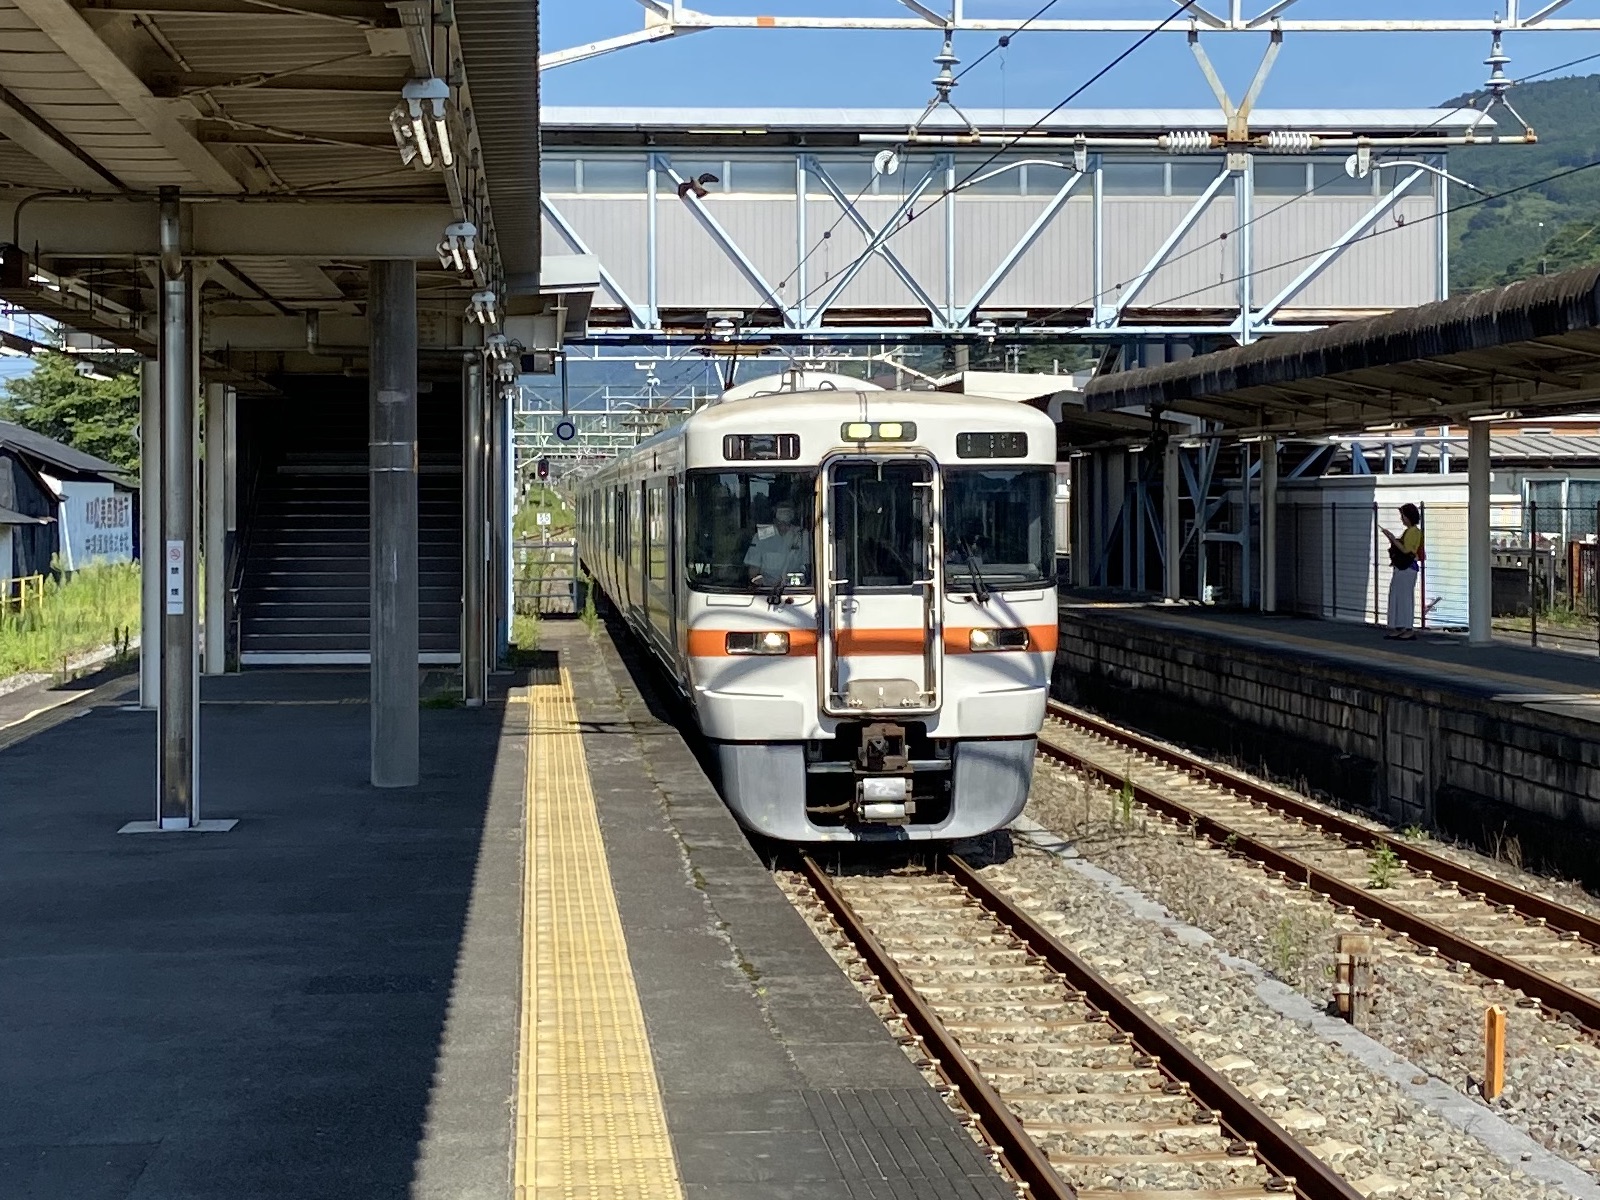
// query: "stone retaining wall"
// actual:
[[1418, 753]]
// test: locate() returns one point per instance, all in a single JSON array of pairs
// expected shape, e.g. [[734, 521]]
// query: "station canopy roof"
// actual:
[[274, 123], [1531, 347]]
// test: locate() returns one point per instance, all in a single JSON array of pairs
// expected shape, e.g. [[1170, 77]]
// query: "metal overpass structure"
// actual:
[[667, 19], [783, 227]]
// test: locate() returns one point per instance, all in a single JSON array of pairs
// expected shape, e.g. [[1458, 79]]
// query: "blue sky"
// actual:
[[793, 68]]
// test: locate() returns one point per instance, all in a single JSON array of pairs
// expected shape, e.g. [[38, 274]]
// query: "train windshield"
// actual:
[[999, 527], [749, 529]]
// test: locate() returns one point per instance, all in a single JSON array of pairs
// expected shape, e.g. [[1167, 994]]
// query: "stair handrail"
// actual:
[[239, 550]]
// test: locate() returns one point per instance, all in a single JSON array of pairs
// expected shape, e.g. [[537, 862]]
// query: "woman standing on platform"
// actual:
[[1405, 552]]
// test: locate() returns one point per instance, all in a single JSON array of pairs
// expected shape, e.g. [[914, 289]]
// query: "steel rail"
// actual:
[[1554, 995], [1310, 1177], [1551, 912], [1021, 1152]]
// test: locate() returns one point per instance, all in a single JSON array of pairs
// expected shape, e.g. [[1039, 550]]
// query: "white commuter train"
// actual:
[[855, 591]]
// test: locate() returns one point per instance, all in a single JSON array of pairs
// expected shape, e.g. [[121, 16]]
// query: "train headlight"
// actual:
[[771, 642], [980, 640]]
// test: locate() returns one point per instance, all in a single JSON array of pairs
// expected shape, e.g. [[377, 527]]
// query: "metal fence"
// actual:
[[1546, 589], [1333, 564], [545, 580], [19, 594]]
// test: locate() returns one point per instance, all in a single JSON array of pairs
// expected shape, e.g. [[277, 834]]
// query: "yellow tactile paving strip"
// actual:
[[590, 1121]]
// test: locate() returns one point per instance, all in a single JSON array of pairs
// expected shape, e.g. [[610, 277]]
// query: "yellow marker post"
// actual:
[[1494, 1051]]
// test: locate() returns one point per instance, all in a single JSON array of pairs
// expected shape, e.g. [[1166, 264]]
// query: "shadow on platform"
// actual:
[[261, 1013]]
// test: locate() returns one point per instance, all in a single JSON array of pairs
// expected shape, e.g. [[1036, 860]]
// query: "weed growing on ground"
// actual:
[[1383, 867], [1413, 833], [1507, 848], [525, 631], [1288, 950], [79, 613], [1125, 797], [591, 617]]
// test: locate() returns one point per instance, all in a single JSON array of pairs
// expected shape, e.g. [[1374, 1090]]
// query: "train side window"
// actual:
[[656, 516], [745, 526]]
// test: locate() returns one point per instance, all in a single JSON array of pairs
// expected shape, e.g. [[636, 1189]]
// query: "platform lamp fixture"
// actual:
[[484, 308], [420, 125], [459, 249]]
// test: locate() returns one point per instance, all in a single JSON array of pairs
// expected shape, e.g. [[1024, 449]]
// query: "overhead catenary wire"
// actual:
[[1468, 101], [1442, 213], [1005, 39], [1211, 243], [877, 241], [1000, 44]]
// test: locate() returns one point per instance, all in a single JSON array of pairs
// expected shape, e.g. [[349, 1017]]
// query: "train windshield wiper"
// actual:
[[775, 596], [980, 589]]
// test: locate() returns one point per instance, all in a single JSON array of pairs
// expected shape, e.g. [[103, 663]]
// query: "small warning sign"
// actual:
[[174, 579]]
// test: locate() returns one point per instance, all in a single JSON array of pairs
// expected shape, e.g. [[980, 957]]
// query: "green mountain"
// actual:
[[1550, 227]]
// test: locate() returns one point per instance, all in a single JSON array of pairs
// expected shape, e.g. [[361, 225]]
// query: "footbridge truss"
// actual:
[[790, 227]]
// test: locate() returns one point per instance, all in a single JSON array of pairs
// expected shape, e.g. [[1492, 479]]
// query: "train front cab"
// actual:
[[896, 691]]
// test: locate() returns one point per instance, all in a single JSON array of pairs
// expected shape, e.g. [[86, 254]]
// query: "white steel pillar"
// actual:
[[1269, 526], [151, 554], [178, 801], [1171, 520], [218, 485], [1480, 590]]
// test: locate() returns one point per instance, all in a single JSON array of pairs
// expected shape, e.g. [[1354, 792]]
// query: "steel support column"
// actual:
[[1171, 519], [1480, 589], [177, 771], [1269, 526], [1244, 204], [218, 484], [498, 491], [151, 551], [393, 637], [504, 520], [474, 672]]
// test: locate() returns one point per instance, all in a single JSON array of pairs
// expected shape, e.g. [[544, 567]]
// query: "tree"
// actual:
[[99, 417]]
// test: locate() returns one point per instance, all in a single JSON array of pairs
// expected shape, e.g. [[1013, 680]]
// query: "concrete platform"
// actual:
[[778, 1080], [324, 1002], [1560, 681], [1487, 743]]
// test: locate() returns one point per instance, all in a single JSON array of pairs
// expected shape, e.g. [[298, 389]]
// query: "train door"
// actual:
[[882, 605], [674, 585]]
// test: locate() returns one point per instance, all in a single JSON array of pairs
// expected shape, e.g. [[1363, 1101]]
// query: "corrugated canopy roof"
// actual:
[[7, 517], [1529, 347]]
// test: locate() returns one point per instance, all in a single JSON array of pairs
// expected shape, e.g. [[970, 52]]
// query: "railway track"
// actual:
[[1080, 1090], [1547, 950]]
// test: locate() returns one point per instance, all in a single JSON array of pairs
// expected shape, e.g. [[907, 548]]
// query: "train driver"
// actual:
[[784, 552]]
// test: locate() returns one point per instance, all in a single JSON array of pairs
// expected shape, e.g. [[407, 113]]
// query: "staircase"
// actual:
[[306, 589]]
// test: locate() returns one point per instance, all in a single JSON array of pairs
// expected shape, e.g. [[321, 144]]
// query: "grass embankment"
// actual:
[[97, 606], [526, 528], [532, 561]]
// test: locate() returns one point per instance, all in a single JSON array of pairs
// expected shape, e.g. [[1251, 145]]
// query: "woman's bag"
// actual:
[[1401, 560]]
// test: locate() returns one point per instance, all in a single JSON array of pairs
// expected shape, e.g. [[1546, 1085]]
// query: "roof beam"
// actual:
[[219, 81], [236, 229], [24, 127], [361, 12], [79, 42]]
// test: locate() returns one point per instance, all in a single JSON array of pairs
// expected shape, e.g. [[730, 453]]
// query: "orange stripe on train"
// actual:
[[713, 643]]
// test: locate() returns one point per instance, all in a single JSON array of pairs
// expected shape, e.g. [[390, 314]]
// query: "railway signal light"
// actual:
[[544, 468]]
